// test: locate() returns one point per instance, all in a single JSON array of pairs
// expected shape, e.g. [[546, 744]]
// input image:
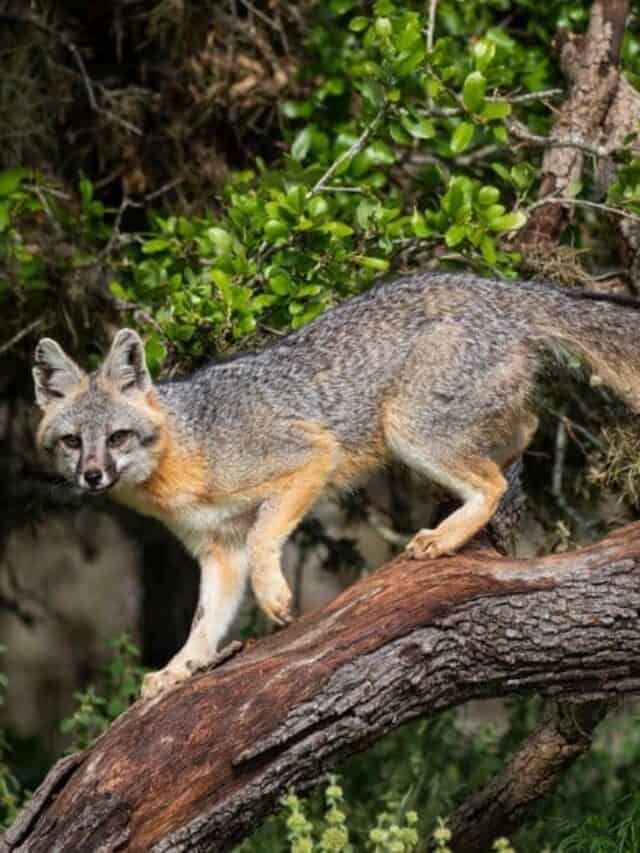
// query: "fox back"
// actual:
[[451, 355]]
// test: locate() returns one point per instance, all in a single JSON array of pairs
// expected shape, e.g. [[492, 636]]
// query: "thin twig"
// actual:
[[91, 95], [384, 530], [21, 334], [115, 232], [125, 204], [79, 61], [452, 112], [574, 426], [529, 96], [347, 155], [520, 131], [261, 15], [341, 190], [581, 202], [479, 154], [431, 26], [559, 457]]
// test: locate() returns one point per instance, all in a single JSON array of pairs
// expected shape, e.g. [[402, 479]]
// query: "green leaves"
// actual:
[[155, 352], [10, 179], [155, 245], [508, 221], [220, 238], [418, 128], [358, 24], [495, 110], [484, 50], [461, 137], [277, 252], [473, 91], [301, 144]]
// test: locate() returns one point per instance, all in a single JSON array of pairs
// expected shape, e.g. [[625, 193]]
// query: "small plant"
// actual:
[[11, 793], [442, 836], [122, 679], [393, 835], [328, 831], [503, 845]]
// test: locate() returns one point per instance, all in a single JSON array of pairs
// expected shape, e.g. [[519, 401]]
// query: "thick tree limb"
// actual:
[[564, 734], [197, 768]]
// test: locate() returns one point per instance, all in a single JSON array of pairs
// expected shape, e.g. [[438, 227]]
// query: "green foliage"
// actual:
[[624, 192], [328, 830], [400, 142], [16, 256], [11, 794], [427, 768], [398, 147], [122, 677]]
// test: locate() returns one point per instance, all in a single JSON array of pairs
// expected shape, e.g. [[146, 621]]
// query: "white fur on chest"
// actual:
[[195, 523]]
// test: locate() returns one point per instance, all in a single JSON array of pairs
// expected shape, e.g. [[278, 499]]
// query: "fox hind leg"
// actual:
[[473, 476], [463, 470], [479, 483]]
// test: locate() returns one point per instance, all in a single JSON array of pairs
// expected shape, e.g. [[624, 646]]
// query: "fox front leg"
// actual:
[[278, 516], [223, 573]]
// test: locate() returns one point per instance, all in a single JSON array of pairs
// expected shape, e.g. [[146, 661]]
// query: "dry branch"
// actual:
[[198, 768]]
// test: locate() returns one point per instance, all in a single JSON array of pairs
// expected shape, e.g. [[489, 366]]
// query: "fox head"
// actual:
[[98, 429]]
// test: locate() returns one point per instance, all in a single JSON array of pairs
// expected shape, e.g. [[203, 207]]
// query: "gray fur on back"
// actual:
[[338, 370]]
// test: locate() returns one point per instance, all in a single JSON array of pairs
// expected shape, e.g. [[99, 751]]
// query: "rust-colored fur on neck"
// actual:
[[180, 472]]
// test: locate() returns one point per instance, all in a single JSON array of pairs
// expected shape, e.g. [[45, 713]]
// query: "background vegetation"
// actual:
[[219, 174]]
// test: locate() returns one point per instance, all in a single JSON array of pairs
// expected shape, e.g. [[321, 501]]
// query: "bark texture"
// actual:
[[197, 768], [565, 733], [590, 64]]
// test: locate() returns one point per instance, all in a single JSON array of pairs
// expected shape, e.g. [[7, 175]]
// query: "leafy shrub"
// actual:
[[122, 678], [11, 795], [403, 144]]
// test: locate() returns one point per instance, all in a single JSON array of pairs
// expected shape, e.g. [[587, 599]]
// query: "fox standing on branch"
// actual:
[[435, 370]]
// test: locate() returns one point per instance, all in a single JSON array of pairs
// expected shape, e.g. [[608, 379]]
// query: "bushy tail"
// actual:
[[601, 329]]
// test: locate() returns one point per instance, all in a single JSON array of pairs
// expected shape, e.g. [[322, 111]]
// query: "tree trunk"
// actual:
[[591, 66], [198, 768]]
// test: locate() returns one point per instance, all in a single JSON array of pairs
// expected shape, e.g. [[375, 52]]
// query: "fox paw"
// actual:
[[274, 597], [429, 544], [158, 682]]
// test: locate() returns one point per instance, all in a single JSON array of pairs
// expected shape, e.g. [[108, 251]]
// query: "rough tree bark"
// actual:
[[590, 64], [565, 732], [197, 768]]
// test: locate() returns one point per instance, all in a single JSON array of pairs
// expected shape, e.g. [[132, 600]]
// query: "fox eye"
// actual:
[[119, 437], [71, 441]]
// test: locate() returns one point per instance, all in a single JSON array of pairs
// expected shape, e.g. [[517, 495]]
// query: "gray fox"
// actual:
[[435, 370]]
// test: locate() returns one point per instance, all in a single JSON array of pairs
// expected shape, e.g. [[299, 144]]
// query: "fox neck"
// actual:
[[179, 475]]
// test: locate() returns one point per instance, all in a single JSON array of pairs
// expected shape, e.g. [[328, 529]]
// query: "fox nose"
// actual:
[[93, 477]]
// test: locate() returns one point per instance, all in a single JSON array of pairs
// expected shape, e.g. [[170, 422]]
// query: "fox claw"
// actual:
[[158, 682], [274, 597], [427, 545]]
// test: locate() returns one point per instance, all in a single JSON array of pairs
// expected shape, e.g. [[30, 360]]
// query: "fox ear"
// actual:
[[126, 365], [54, 374]]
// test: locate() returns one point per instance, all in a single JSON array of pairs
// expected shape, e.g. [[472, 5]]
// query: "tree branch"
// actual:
[[565, 733], [197, 768], [348, 155], [582, 202]]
